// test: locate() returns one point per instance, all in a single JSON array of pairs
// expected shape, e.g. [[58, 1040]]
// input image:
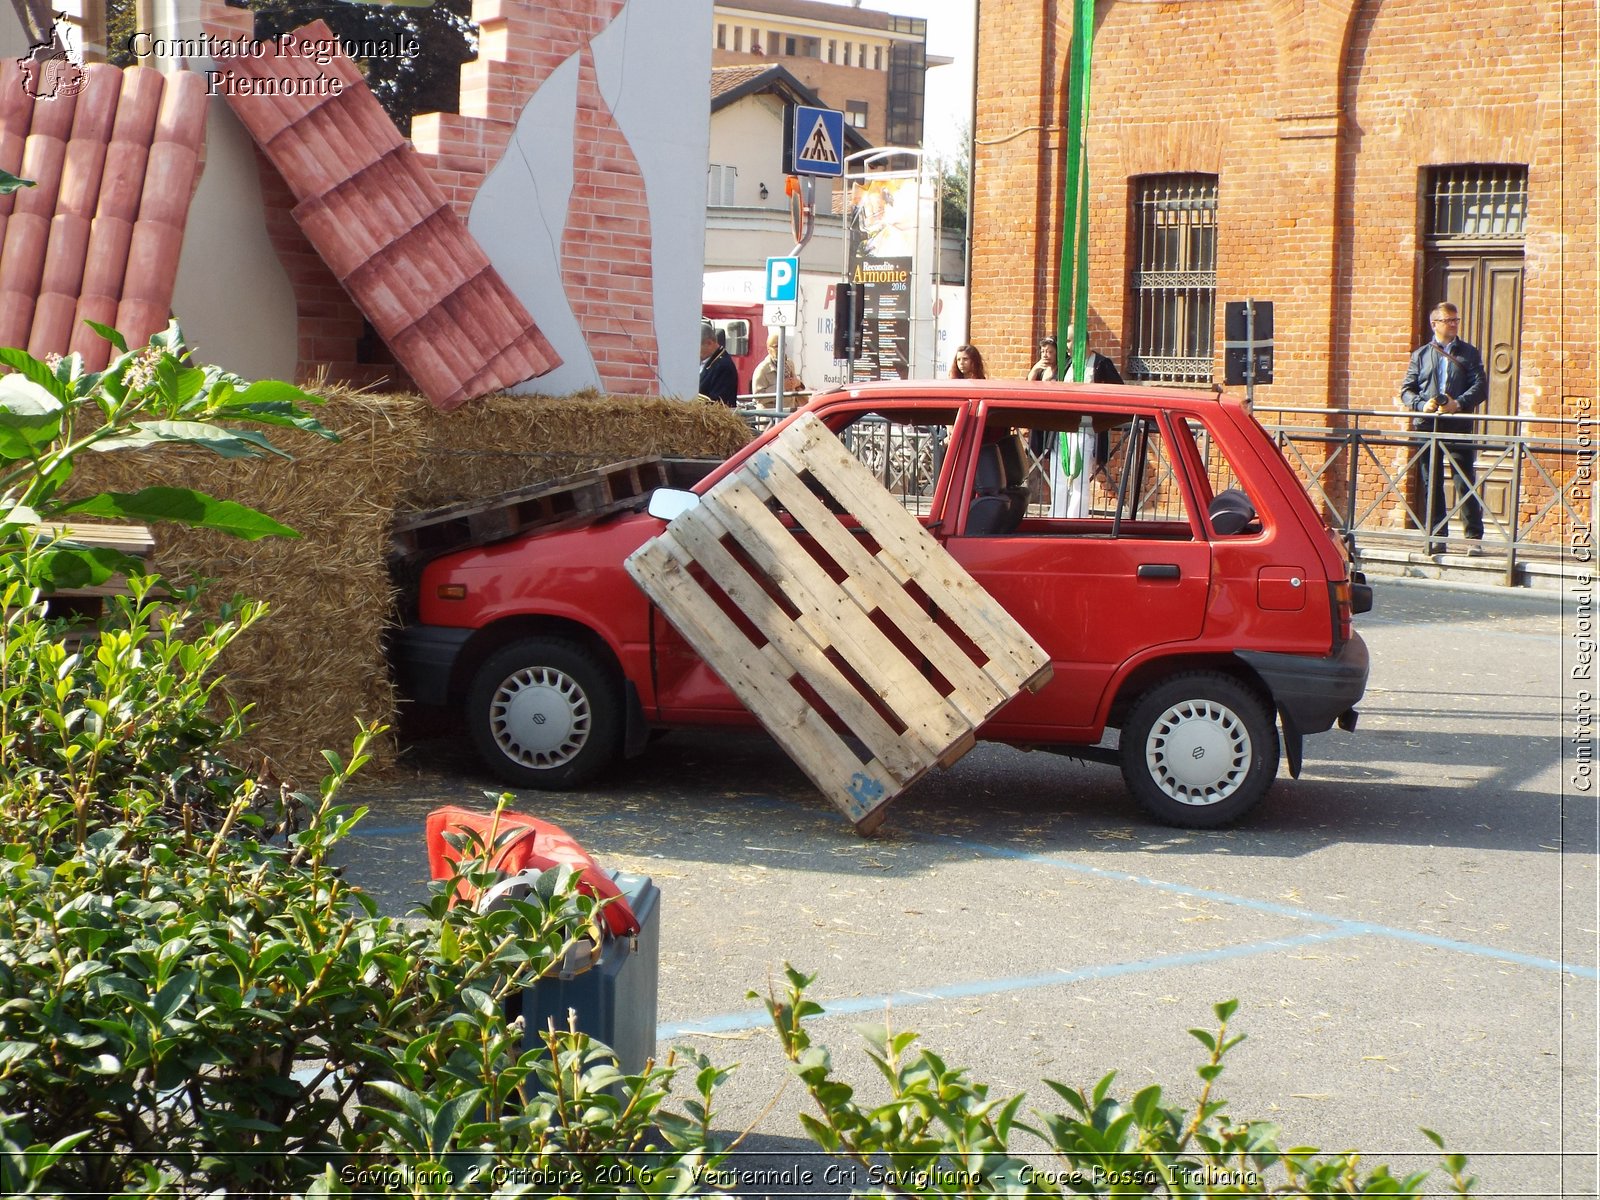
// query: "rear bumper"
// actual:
[[424, 660], [1313, 693]]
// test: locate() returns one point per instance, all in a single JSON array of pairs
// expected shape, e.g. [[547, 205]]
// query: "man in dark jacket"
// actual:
[[1444, 382], [719, 378]]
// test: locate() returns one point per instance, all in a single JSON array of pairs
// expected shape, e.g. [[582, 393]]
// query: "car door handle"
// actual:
[[1159, 571]]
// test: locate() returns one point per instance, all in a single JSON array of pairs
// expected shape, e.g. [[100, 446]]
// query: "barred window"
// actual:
[[1476, 203], [1174, 278]]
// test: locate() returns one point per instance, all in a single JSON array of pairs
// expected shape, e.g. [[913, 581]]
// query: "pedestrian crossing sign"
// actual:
[[817, 141]]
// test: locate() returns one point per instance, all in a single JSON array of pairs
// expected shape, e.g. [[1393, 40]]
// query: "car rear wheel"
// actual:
[[1199, 750], [545, 713]]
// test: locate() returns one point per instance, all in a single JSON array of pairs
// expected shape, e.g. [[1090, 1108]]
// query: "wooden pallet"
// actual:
[[87, 604], [556, 502], [756, 597]]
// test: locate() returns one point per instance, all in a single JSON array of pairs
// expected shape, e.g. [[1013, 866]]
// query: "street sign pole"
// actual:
[[1247, 345], [781, 308], [1250, 354], [783, 369]]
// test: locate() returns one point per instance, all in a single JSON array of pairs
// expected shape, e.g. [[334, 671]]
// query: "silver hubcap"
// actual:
[[1198, 752], [540, 717]]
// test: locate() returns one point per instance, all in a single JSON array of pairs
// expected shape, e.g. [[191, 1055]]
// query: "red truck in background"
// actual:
[[1193, 601]]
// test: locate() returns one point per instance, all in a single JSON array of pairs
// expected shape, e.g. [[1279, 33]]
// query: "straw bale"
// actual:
[[315, 663], [505, 442]]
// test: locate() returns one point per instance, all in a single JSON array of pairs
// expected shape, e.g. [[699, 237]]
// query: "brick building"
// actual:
[[1350, 160], [1314, 155]]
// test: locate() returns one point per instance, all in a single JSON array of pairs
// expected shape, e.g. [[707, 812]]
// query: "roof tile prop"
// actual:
[[22, 254], [65, 242], [386, 231], [171, 169]]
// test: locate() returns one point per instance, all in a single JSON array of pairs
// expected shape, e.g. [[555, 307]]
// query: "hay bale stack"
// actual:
[[506, 442], [315, 663]]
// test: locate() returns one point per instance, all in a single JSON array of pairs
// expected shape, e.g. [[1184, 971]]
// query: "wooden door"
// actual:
[[1487, 287]]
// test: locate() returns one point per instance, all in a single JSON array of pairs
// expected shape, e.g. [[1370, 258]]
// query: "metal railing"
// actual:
[[1534, 479], [904, 458], [1361, 465]]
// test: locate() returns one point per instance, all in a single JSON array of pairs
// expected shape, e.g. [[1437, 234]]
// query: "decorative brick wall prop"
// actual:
[[386, 232], [605, 247]]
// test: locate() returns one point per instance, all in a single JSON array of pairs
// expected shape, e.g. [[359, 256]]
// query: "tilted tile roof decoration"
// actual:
[[98, 235], [367, 203]]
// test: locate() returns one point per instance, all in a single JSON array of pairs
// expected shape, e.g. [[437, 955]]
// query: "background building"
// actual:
[[868, 65], [1354, 162], [1362, 168], [748, 219]]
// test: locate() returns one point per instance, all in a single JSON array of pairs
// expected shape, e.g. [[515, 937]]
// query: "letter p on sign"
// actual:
[[783, 280]]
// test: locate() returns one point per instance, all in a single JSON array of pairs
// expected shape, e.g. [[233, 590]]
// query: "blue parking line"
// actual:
[[362, 831], [735, 1022], [1271, 908], [1265, 906]]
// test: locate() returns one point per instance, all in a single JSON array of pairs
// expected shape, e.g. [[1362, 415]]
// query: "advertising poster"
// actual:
[[885, 351], [883, 250]]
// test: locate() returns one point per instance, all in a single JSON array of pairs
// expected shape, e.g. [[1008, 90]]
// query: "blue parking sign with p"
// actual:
[[783, 280]]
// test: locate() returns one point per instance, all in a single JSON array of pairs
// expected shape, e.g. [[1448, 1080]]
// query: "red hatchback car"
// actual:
[[1154, 542]]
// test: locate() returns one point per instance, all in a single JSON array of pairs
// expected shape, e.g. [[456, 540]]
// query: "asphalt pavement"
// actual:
[[1410, 927]]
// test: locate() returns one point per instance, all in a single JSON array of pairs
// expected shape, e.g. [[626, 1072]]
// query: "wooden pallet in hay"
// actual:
[[571, 498], [87, 603], [756, 595]]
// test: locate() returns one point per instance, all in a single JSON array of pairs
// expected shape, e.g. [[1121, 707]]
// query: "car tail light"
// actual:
[[1339, 596]]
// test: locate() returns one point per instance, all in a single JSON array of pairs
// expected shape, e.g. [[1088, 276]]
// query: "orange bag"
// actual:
[[535, 845]]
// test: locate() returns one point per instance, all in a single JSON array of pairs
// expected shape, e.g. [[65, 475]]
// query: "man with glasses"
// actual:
[[1445, 382]]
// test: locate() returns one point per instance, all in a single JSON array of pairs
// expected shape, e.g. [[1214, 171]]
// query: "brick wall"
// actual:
[[1319, 120], [605, 251], [1318, 127]]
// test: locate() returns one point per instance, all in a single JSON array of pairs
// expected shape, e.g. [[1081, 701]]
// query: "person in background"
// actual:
[[765, 380], [967, 364], [1100, 370], [719, 378], [1044, 370], [1444, 382], [1076, 457]]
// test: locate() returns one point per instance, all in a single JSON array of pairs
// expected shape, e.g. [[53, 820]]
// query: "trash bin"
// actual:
[[610, 987]]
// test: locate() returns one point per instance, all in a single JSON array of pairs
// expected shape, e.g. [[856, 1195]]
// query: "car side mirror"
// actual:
[[668, 503]]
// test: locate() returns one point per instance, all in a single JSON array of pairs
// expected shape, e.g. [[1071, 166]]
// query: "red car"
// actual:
[[1154, 542]]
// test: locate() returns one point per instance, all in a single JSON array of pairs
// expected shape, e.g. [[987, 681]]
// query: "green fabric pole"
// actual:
[[1072, 296]]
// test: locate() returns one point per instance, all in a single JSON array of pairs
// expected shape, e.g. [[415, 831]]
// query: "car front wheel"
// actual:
[[545, 713], [1199, 750]]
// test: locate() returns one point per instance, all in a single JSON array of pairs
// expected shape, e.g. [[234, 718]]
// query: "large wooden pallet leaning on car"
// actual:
[[845, 614], [547, 505]]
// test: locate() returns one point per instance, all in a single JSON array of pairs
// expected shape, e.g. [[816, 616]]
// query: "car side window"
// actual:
[[1229, 507], [1095, 475], [903, 449]]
